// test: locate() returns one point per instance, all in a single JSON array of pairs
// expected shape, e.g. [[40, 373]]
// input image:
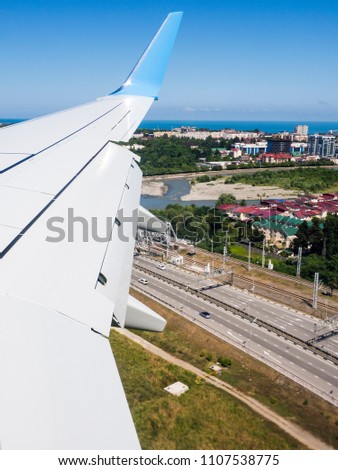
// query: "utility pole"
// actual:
[[231, 277], [167, 240], [299, 261], [315, 291], [225, 252], [263, 254], [212, 257], [148, 242], [249, 257]]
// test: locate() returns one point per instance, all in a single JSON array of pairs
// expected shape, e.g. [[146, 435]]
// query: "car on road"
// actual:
[[160, 266], [144, 281], [205, 315]]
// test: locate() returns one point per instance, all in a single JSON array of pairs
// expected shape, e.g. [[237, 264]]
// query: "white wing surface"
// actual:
[[69, 199]]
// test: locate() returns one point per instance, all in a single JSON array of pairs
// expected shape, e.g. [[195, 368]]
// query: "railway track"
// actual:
[[332, 310], [299, 280], [245, 315]]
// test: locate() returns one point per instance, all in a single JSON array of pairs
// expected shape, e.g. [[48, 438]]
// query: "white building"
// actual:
[[233, 134], [252, 149], [302, 129], [322, 145]]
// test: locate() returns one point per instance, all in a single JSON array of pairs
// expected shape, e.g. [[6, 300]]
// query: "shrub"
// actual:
[[224, 361], [208, 356]]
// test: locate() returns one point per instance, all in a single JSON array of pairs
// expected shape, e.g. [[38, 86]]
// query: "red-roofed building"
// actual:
[[304, 208], [314, 213], [244, 212], [329, 196], [226, 207], [276, 157]]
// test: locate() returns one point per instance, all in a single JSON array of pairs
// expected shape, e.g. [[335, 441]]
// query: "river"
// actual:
[[177, 188]]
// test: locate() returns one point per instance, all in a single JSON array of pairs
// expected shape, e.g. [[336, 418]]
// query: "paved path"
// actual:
[[292, 429]]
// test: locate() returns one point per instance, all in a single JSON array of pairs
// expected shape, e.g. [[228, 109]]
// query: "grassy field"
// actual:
[[189, 342], [305, 180], [241, 252], [203, 418]]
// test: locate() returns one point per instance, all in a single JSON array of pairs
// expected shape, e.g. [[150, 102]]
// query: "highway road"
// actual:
[[312, 371], [291, 321]]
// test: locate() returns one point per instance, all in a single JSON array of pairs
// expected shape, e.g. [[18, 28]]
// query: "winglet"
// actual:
[[147, 76]]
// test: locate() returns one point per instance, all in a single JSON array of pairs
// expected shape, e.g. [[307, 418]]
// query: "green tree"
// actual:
[[331, 273], [225, 198], [316, 237], [330, 235], [302, 239]]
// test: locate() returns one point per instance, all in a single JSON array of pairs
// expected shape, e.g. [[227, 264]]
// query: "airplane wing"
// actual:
[[69, 199]]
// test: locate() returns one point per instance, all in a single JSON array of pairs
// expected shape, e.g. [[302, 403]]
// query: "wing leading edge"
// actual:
[[147, 76], [60, 385]]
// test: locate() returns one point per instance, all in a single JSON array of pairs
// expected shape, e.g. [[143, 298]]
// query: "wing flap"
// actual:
[[61, 388], [142, 317], [118, 259]]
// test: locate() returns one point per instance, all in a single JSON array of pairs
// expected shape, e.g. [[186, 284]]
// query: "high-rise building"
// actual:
[[302, 129], [278, 146], [322, 145]]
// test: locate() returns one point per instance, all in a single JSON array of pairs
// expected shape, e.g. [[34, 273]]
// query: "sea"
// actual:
[[269, 127]]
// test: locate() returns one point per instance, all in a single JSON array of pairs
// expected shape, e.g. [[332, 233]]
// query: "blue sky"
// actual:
[[238, 59]]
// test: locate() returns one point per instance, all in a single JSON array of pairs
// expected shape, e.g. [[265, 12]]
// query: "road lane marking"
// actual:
[[271, 357], [231, 334]]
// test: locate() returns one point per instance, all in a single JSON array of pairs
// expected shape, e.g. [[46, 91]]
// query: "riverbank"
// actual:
[[225, 172], [211, 191], [153, 188]]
